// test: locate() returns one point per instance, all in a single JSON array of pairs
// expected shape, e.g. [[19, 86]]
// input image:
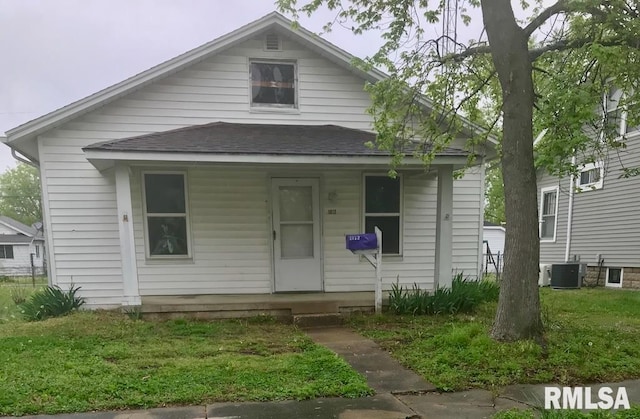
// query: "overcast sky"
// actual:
[[55, 52]]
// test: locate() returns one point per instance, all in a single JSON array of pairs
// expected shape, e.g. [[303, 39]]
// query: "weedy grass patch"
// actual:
[[102, 361], [591, 337]]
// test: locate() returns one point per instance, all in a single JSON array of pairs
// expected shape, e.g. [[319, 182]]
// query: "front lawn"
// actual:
[[592, 336], [101, 360]]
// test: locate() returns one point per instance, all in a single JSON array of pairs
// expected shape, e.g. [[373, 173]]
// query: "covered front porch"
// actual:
[[262, 216]]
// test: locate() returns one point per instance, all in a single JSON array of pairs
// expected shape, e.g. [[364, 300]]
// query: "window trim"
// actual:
[[543, 191], [273, 107], [614, 285], [399, 214], [145, 216], [599, 165]]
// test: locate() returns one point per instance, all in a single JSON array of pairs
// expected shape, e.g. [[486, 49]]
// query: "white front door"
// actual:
[[296, 234]]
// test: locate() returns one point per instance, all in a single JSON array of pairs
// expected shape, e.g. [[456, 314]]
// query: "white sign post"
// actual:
[[374, 256]]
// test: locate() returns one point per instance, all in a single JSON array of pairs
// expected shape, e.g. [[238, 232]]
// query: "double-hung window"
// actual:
[[548, 213], [166, 215], [382, 209], [6, 251], [273, 84]]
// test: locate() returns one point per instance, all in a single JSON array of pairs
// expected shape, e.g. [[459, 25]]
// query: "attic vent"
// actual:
[[272, 42]]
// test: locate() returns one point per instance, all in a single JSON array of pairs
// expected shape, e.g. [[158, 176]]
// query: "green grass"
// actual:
[[100, 361], [632, 413], [592, 336]]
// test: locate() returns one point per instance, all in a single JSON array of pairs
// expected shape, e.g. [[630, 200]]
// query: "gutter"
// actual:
[[22, 159]]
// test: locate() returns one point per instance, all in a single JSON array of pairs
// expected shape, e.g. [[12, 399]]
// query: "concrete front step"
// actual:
[[318, 320]]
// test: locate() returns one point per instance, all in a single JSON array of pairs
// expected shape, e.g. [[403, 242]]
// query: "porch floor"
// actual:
[[248, 305]]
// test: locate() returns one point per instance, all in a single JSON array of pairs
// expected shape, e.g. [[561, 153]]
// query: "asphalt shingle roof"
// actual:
[[231, 138]]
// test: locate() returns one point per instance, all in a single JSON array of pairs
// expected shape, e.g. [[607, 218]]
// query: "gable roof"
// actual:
[[17, 226], [273, 21], [247, 139]]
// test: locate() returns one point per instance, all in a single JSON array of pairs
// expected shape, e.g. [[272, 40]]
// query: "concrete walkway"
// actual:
[[400, 394]]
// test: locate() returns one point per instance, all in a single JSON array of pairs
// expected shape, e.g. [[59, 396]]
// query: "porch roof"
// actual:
[[260, 139]]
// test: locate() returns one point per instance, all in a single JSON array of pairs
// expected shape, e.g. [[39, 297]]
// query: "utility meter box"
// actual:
[[365, 241]]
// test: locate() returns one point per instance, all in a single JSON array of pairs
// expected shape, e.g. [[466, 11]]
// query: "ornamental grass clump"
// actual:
[[463, 297], [51, 301]]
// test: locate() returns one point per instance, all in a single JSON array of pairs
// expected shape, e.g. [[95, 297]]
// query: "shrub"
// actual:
[[463, 297], [19, 295], [51, 302]]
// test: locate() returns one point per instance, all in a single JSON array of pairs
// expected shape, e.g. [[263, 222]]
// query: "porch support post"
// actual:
[[127, 246], [444, 228]]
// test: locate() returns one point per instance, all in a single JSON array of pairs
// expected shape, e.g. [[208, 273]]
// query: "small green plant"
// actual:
[[463, 297], [19, 295], [133, 312], [51, 301]]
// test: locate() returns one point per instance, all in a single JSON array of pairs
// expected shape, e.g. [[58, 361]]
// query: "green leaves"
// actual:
[[51, 301], [20, 194]]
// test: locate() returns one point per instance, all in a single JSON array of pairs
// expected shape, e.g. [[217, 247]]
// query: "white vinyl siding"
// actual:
[[228, 213], [20, 263]]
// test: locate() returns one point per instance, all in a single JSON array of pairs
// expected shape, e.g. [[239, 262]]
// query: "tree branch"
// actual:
[[563, 45], [559, 7]]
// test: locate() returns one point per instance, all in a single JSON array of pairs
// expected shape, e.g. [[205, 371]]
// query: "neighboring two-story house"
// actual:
[[594, 217]]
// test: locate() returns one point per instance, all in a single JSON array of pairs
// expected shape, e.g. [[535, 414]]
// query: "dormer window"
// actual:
[[273, 84]]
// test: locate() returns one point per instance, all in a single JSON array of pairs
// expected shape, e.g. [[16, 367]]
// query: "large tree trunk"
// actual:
[[518, 315]]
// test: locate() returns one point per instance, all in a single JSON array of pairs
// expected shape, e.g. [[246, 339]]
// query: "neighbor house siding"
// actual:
[[467, 221], [20, 265], [606, 221]]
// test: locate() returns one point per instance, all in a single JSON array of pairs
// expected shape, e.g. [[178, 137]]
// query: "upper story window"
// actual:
[[382, 209], [165, 213], [548, 213], [273, 84], [615, 114], [591, 177]]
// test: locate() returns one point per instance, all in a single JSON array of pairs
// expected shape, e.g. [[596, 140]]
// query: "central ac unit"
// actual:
[[545, 275]]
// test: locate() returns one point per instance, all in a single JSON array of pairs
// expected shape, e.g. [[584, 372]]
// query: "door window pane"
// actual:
[[296, 241], [296, 203], [390, 227]]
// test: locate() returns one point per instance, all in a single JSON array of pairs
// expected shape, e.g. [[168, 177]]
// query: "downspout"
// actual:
[[567, 250]]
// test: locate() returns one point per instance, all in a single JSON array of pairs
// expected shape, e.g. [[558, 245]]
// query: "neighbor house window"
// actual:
[[614, 277], [615, 115], [37, 251], [382, 209], [273, 84], [166, 214], [6, 251], [548, 213], [591, 177]]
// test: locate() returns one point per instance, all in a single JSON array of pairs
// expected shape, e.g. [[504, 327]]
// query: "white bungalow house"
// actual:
[[227, 178], [21, 249]]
